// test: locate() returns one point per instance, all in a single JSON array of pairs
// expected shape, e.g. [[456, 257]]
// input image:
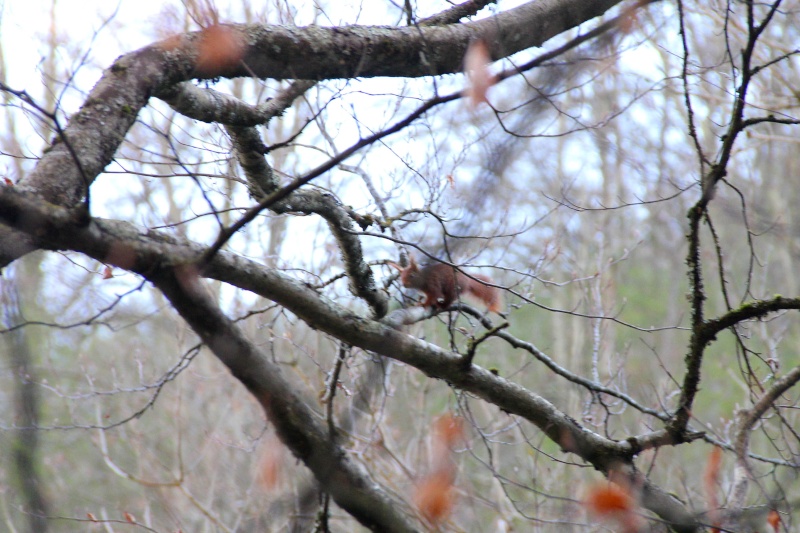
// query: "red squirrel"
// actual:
[[443, 284]]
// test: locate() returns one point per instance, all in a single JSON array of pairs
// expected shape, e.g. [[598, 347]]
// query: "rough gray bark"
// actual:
[[298, 426], [95, 132], [157, 256], [249, 150], [32, 218]]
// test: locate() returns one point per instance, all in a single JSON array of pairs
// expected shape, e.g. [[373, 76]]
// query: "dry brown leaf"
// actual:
[[476, 67], [774, 519], [269, 468], [448, 429], [613, 502], [435, 497], [710, 479]]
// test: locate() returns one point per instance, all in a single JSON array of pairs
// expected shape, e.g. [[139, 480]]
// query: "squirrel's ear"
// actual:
[[411, 262]]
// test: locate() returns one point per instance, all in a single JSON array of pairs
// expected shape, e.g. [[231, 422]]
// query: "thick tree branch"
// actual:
[[249, 151], [456, 13], [97, 130], [208, 105], [149, 252], [316, 52], [299, 428]]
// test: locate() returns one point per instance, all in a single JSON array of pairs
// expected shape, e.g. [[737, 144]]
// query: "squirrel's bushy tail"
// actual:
[[487, 294]]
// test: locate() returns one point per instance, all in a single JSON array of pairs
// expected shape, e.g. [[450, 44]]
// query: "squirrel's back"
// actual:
[[443, 284]]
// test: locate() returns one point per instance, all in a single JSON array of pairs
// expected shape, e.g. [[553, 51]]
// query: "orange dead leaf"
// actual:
[[476, 67], [629, 20], [612, 502], [712, 467], [710, 479], [451, 181], [91, 517], [269, 471], [129, 518], [108, 272], [219, 48], [8, 182], [449, 429], [567, 441], [774, 519], [627, 23], [435, 498], [607, 498]]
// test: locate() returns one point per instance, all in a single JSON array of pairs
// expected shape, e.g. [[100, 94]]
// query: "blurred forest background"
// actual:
[[570, 189]]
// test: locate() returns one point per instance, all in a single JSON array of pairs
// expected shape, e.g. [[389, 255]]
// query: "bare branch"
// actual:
[[248, 147], [299, 428], [745, 419], [208, 105], [157, 253], [98, 129]]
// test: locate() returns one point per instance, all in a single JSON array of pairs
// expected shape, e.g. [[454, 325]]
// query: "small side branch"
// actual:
[[261, 180], [473, 343], [298, 427], [745, 420], [748, 311], [208, 105]]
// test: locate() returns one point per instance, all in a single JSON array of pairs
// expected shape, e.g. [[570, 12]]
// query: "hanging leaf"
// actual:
[[476, 67]]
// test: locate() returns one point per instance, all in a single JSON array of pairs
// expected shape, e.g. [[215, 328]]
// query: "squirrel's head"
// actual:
[[408, 274]]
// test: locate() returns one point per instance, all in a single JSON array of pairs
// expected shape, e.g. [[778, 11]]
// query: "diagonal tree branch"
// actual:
[[299, 428], [98, 128], [208, 105], [249, 151], [745, 420], [153, 255]]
